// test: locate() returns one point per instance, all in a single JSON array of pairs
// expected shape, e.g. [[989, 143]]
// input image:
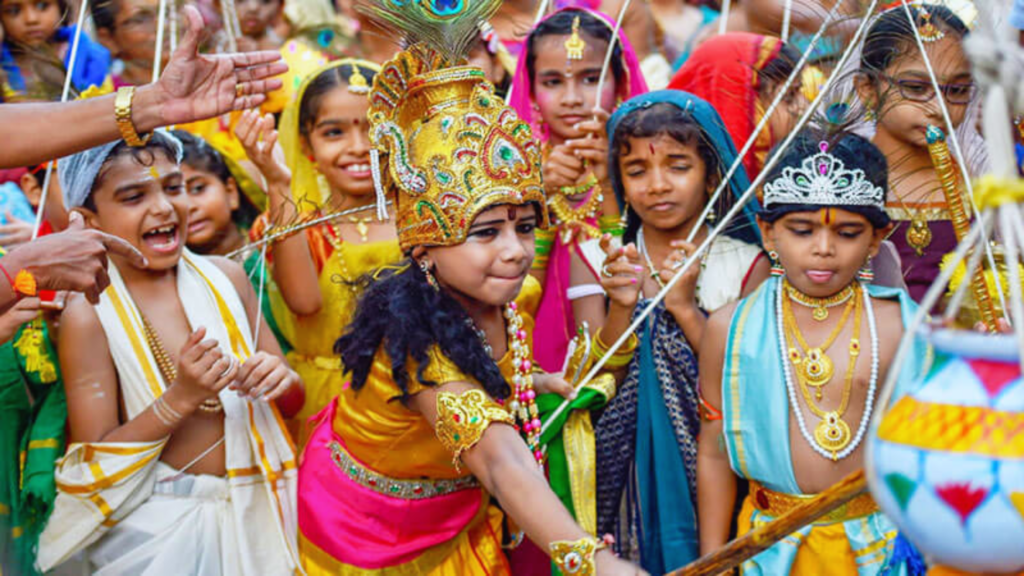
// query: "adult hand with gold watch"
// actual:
[[73, 260], [192, 87]]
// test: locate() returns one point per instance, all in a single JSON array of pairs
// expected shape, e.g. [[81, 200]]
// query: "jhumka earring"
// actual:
[[866, 274], [425, 268], [575, 45], [777, 269], [624, 218]]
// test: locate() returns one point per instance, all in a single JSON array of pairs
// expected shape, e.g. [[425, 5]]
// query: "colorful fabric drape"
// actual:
[[725, 71], [756, 429], [31, 440], [555, 312], [91, 64]]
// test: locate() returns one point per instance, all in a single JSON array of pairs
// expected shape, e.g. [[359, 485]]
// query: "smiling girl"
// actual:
[[895, 86], [324, 134], [556, 87]]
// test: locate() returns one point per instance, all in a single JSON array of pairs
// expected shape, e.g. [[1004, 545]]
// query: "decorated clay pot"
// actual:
[[947, 461]]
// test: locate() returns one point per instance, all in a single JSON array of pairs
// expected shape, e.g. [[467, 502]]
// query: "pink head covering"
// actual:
[[522, 88]]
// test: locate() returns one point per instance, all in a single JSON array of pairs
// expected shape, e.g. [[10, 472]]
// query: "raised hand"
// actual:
[[593, 146], [258, 136], [562, 168], [265, 376], [203, 370], [197, 86], [683, 297], [621, 273]]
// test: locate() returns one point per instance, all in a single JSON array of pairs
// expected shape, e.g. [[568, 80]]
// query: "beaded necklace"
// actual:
[[522, 402], [334, 238], [167, 368], [839, 453]]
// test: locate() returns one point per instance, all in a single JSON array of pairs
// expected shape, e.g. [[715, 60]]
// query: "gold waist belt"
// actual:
[[406, 489], [778, 504]]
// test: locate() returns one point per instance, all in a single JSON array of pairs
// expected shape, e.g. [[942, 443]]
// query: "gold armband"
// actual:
[[576, 558], [123, 116], [622, 357], [463, 418]]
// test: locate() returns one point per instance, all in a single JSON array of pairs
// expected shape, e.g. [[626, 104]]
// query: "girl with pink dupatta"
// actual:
[[556, 88]]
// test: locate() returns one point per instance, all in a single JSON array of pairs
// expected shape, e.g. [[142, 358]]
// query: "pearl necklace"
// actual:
[[869, 400], [522, 403]]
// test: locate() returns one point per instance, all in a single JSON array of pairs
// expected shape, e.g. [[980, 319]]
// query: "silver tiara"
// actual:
[[823, 180]]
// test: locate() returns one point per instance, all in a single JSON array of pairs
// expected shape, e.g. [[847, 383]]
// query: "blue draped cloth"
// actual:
[[646, 439], [92, 63]]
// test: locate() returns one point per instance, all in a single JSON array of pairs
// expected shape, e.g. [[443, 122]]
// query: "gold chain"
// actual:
[[820, 306], [334, 238], [814, 367], [166, 365], [832, 432]]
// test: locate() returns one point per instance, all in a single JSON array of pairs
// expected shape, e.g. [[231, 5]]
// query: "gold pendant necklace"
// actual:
[[832, 433], [814, 367], [362, 227], [919, 233], [820, 306]]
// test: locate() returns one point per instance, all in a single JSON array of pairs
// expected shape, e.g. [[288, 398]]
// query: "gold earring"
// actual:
[[425, 268]]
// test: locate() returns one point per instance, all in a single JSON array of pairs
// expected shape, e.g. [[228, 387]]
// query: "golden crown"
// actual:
[[453, 148]]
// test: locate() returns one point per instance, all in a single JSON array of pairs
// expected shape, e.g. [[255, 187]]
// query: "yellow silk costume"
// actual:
[[338, 263], [394, 442], [314, 336]]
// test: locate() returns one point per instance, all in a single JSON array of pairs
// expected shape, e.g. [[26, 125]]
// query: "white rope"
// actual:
[[780, 95], [723, 18], [72, 60], [955, 143], [787, 13], [747, 195], [225, 15], [161, 23], [259, 298]]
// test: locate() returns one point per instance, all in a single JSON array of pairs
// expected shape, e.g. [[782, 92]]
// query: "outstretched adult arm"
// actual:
[[193, 87]]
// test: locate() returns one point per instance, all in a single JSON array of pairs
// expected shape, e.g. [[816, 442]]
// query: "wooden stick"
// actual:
[[760, 539]]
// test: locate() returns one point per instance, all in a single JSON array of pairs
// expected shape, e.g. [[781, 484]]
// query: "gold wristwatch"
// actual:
[[123, 115]]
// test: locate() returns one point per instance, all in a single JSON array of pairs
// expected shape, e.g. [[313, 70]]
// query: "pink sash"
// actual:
[[362, 527]]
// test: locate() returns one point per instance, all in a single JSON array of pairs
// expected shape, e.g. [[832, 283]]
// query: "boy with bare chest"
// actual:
[[178, 461], [789, 374]]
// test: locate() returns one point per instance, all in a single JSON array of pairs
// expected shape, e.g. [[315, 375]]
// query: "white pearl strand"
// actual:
[[868, 401]]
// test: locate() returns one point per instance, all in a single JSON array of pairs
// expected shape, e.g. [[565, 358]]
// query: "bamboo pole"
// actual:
[[760, 539]]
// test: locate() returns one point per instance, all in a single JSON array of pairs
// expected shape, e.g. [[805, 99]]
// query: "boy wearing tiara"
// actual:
[[789, 374], [178, 461]]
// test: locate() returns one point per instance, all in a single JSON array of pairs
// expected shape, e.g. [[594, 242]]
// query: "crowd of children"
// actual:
[[362, 304]]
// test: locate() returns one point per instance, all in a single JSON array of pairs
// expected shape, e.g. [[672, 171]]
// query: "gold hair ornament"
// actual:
[[927, 29], [575, 45]]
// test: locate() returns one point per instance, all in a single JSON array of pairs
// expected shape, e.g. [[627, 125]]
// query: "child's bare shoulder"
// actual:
[[79, 316], [888, 315], [233, 270]]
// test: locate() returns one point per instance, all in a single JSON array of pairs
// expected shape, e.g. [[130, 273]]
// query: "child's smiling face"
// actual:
[[30, 23]]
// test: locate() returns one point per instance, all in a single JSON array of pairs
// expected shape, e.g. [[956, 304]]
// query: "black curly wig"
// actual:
[[402, 312]]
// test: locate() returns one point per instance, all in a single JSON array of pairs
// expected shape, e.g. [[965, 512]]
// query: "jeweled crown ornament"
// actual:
[[823, 180], [453, 148], [357, 83], [575, 45]]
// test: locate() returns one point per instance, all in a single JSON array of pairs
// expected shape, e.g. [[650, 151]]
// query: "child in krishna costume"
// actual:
[[410, 447]]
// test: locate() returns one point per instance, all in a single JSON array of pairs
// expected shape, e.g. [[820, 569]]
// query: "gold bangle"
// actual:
[[123, 116], [622, 357], [576, 558]]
